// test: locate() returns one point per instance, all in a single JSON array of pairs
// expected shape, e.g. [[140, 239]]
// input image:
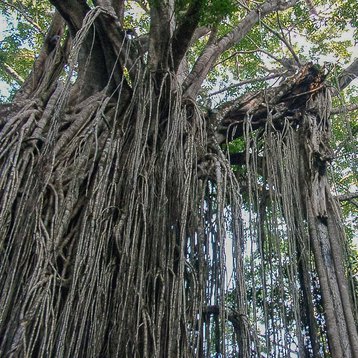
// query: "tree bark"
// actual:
[[118, 202]]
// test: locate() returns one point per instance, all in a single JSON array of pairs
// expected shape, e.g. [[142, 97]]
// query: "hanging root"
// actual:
[[123, 233], [109, 244]]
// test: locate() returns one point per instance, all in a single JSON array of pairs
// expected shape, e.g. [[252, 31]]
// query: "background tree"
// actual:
[[148, 209]]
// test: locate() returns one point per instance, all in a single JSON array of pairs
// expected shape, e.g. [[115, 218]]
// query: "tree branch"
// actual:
[[344, 109], [348, 75], [184, 33], [24, 15], [211, 53], [108, 6], [41, 65], [245, 82], [12, 73], [91, 59], [284, 40], [119, 6], [73, 12], [160, 34], [98, 67], [200, 32], [278, 103], [347, 197]]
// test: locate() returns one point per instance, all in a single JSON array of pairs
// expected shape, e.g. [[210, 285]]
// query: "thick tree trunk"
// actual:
[[326, 231], [120, 215]]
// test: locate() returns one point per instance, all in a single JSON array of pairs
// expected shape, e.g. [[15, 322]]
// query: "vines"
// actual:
[[100, 227], [124, 231]]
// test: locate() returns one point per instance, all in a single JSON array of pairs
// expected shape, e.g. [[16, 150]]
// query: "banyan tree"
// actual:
[[139, 220]]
